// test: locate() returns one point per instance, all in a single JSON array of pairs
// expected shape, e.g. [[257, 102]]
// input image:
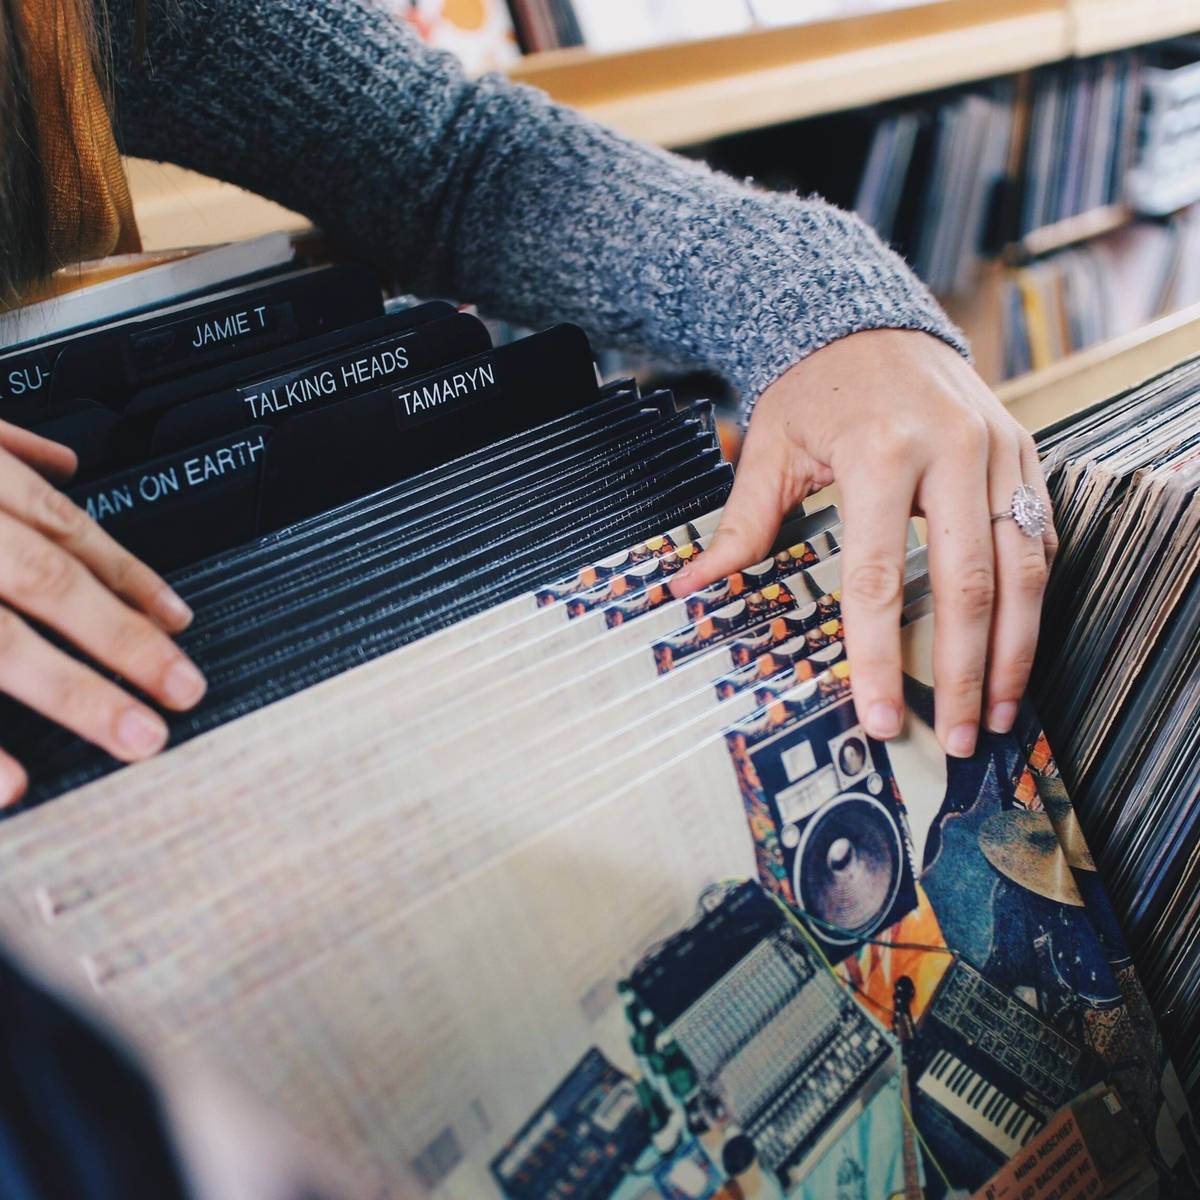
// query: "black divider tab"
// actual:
[[184, 506], [316, 383], [345, 450], [110, 364]]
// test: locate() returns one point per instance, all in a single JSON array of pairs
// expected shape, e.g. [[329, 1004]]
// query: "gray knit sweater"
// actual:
[[488, 192]]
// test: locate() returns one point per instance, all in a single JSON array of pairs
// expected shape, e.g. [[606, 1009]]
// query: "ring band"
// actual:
[[1026, 511]]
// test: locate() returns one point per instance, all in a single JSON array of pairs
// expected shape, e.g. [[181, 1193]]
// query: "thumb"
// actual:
[[56, 462], [749, 523]]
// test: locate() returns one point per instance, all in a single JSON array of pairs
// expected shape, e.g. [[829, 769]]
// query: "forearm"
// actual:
[[488, 192]]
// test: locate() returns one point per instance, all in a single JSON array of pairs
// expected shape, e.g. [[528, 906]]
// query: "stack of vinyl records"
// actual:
[[494, 866], [1166, 175], [1082, 137], [610, 26], [1106, 287], [1121, 685]]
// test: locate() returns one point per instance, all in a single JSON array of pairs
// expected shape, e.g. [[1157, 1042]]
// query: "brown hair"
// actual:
[[27, 252], [24, 198]]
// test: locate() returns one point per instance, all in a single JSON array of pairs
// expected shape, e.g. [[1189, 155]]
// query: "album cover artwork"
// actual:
[[108, 890], [967, 975], [964, 978], [564, 728], [454, 783]]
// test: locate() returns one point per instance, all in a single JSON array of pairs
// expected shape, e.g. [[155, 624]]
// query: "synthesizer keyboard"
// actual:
[[991, 1062]]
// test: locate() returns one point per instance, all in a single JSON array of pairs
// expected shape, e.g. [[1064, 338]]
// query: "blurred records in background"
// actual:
[[1009, 197], [479, 32]]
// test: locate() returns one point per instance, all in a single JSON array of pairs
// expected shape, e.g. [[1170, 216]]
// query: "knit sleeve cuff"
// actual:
[[854, 284]]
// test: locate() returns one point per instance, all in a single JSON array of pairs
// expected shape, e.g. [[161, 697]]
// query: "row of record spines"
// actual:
[[545, 25], [637, 509]]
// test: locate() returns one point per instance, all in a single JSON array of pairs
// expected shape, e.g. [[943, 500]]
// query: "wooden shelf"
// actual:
[[689, 92], [685, 93], [682, 94], [1070, 232], [176, 208], [1100, 25], [1079, 380]]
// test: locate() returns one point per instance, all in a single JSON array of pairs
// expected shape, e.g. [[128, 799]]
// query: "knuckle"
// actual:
[[729, 534], [737, 533], [1015, 668], [128, 576], [874, 669], [80, 700], [43, 572], [56, 514], [893, 445], [874, 585], [965, 684], [975, 591], [967, 435], [1029, 574]]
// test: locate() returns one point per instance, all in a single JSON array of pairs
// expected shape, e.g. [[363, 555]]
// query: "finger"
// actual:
[[52, 459], [68, 693], [41, 579], [750, 520], [1035, 476], [877, 497], [1021, 572], [29, 498], [954, 495], [13, 780]]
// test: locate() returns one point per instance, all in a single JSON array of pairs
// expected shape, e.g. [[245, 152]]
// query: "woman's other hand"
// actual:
[[904, 425], [59, 568]]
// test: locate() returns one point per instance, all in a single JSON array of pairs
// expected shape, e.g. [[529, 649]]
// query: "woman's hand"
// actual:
[[58, 567], [904, 425]]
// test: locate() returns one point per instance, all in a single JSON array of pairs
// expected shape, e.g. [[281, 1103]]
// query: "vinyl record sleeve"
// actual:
[[217, 574], [478, 499], [410, 564], [58, 763], [76, 823], [125, 861], [544, 440], [687, 822], [559, 741], [560, 721]]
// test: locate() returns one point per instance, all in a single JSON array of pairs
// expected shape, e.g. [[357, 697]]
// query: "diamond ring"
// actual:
[[1027, 511]]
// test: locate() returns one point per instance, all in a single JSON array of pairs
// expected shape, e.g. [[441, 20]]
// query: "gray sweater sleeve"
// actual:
[[488, 192]]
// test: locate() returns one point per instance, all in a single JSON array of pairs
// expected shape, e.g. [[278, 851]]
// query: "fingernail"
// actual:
[[140, 732], [961, 741], [12, 783], [171, 610], [183, 685], [883, 720], [1002, 716]]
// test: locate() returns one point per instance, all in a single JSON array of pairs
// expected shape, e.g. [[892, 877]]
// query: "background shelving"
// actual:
[[689, 92], [703, 95]]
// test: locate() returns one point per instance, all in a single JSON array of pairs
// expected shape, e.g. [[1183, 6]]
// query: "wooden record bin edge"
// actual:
[[1088, 376]]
